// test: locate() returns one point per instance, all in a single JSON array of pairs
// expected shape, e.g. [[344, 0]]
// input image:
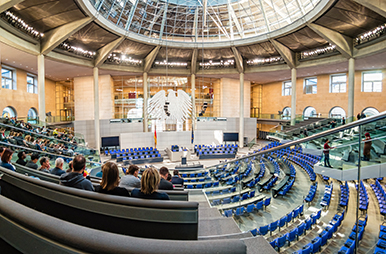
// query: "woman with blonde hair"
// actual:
[[149, 185], [110, 181]]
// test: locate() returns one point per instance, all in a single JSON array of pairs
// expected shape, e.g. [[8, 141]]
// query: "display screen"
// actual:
[[110, 141], [231, 136]]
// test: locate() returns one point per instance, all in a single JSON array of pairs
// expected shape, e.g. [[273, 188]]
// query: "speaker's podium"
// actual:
[[183, 160]]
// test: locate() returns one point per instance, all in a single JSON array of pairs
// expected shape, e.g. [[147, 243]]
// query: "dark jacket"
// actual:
[[21, 162], [76, 180], [165, 185], [137, 193], [177, 180], [7, 166], [57, 171], [116, 191], [32, 165]]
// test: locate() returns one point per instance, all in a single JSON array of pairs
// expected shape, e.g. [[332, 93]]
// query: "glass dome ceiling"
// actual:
[[202, 20]]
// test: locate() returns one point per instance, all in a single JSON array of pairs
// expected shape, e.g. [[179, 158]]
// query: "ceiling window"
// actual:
[[372, 81], [32, 85], [310, 85], [8, 78], [338, 83], [287, 88]]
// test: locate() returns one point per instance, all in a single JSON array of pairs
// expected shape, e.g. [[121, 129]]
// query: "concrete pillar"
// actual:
[[293, 96], [351, 87], [241, 125], [96, 108], [193, 83], [41, 89], [145, 98]]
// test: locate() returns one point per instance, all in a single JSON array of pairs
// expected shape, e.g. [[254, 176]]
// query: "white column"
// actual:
[[351, 87], [241, 120], [193, 83], [41, 88], [293, 96], [145, 98], [96, 108]]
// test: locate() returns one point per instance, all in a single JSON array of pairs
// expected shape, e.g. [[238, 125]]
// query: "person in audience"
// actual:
[[359, 116], [131, 178], [176, 179], [110, 181], [45, 165], [21, 158], [58, 169], [363, 115], [32, 163], [333, 124], [55, 132], [343, 120], [367, 147], [149, 185], [1, 152], [69, 167], [75, 178], [164, 184], [326, 151], [305, 133], [6, 158], [169, 178]]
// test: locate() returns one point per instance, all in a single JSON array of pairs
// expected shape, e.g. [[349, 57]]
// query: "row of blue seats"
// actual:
[[200, 186], [253, 182], [131, 150], [192, 175], [234, 199], [381, 246], [202, 179], [249, 209], [381, 196], [149, 156], [363, 197], [349, 245], [315, 245], [344, 194], [309, 170], [263, 230], [207, 152], [221, 192], [327, 195], [290, 237], [311, 192], [217, 146]]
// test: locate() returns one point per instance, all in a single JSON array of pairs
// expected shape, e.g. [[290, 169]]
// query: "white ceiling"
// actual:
[[58, 71]]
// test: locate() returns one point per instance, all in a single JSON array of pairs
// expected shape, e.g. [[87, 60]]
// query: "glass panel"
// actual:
[[367, 86], [6, 73]]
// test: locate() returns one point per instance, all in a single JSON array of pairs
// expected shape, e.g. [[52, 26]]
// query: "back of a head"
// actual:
[[164, 171], [43, 160], [132, 169], [150, 180], [20, 155], [175, 172], [59, 162], [78, 163], [110, 177], [34, 156], [367, 134], [6, 156]]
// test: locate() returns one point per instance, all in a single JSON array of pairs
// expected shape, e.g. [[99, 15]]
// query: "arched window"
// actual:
[[309, 111], [370, 111], [337, 112], [287, 111], [32, 115], [9, 112]]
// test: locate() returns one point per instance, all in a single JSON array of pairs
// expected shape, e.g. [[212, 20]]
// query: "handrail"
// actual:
[[351, 125]]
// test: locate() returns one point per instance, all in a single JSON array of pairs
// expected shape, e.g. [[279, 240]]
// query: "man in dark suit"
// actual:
[[164, 184], [176, 179]]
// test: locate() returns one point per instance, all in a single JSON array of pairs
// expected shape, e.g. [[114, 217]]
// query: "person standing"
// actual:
[[326, 151], [343, 121], [367, 147], [359, 116]]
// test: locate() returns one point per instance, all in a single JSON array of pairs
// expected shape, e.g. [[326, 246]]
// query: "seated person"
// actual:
[[58, 169], [45, 165], [149, 184], [75, 178], [32, 163], [131, 178], [6, 158], [21, 161], [176, 179], [110, 181], [164, 183]]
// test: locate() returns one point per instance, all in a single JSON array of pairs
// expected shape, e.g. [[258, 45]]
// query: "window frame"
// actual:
[[305, 85], [34, 85], [372, 82], [13, 79], [331, 83], [284, 88]]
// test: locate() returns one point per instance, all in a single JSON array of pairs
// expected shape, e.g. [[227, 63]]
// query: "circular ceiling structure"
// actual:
[[202, 21]]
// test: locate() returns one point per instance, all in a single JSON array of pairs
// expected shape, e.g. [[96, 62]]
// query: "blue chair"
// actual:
[[190, 186], [280, 242], [250, 208], [289, 218], [216, 202], [295, 213], [216, 184], [301, 228], [282, 222], [236, 199], [292, 235], [259, 205], [240, 211], [263, 230], [273, 226], [245, 196], [273, 243], [267, 202], [307, 249], [226, 201], [208, 185], [254, 232], [324, 236], [316, 244], [228, 213], [308, 222], [199, 186]]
